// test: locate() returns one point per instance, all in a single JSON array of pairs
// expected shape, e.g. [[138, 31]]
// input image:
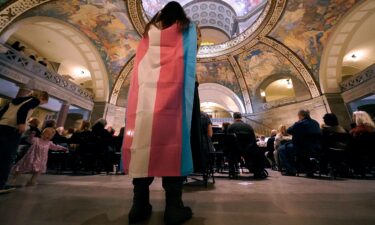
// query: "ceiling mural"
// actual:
[[261, 62], [306, 26], [220, 72], [105, 23]]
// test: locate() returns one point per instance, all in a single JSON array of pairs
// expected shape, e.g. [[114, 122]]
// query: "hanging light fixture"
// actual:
[[289, 84], [262, 93]]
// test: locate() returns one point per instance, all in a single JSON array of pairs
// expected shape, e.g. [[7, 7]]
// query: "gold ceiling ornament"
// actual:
[[14, 8], [136, 15], [242, 83], [120, 81]]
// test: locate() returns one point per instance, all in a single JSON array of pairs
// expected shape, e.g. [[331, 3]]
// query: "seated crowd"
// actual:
[[92, 149], [305, 147]]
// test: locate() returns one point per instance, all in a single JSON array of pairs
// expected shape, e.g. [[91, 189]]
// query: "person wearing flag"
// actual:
[[159, 113]]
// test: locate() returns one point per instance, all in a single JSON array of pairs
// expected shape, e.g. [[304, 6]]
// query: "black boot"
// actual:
[[175, 211], [141, 209]]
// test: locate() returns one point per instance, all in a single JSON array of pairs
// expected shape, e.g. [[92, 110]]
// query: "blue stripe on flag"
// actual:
[[190, 52]]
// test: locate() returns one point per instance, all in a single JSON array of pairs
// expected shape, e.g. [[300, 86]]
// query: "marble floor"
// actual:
[[105, 200]]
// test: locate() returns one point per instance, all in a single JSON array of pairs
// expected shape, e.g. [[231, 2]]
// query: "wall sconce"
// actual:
[[289, 84]]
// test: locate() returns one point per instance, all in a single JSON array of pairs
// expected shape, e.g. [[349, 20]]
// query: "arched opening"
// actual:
[[220, 98], [66, 50], [278, 90], [350, 50]]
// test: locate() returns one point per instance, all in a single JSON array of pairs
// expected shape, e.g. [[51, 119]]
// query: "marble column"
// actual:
[[99, 111], [335, 104], [61, 118]]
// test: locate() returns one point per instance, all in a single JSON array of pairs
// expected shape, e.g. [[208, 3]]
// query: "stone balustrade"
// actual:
[[359, 78]]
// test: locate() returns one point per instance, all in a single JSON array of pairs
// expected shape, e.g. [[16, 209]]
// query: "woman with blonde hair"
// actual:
[[363, 123], [281, 138]]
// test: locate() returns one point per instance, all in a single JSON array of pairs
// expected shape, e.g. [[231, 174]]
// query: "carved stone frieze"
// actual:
[[120, 80], [242, 84], [15, 9]]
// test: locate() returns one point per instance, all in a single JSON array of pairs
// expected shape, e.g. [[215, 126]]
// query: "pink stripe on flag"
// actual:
[[132, 105], [166, 143]]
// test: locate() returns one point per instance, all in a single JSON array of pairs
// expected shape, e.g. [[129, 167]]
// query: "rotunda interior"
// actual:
[[266, 59]]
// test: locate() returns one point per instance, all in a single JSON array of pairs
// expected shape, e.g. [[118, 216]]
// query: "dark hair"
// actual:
[[237, 115], [304, 113], [50, 123], [170, 14], [330, 119]]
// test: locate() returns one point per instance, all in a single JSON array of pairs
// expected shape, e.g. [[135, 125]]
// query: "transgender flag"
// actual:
[[160, 102]]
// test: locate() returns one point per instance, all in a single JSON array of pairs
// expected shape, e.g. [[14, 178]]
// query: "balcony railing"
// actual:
[[280, 102], [20, 61], [359, 78]]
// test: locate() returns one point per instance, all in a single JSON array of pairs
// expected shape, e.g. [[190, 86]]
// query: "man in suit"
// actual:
[[247, 146]]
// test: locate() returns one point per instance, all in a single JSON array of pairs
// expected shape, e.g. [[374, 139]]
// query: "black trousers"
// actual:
[[166, 181], [9, 141]]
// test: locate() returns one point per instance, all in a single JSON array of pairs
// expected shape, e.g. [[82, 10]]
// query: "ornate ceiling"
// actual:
[[287, 38]]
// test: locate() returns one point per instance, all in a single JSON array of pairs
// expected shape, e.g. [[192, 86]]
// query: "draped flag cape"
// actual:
[[160, 101]]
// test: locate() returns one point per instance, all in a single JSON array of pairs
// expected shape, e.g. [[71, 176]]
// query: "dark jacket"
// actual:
[[306, 135], [23, 110]]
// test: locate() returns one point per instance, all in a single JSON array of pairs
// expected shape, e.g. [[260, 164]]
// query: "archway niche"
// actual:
[[277, 90], [220, 96], [70, 51]]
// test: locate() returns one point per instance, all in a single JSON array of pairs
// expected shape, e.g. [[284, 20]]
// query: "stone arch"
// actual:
[[331, 62], [83, 45], [210, 92]]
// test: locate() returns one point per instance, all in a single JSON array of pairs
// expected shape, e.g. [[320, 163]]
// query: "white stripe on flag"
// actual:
[[148, 75]]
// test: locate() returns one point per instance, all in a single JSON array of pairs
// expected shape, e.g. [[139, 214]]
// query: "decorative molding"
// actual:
[[16, 61], [242, 84], [15, 9], [358, 79], [120, 80], [278, 103], [296, 62], [135, 11], [331, 62]]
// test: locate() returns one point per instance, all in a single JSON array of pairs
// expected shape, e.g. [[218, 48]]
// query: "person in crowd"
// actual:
[[331, 139], [363, 142], [270, 149], [16, 45], [363, 123], [69, 133], [60, 131], [331, 125], [111, 130], [33, 57], [35, 160], [32, 131], [49, 123], [249, 150], [262, 141], [13, 117], [81, 143], [103, 148], [157, 136], [224, 128], [281, 139], [43, 61], [306, 144], [206, 144], [22, 49]]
